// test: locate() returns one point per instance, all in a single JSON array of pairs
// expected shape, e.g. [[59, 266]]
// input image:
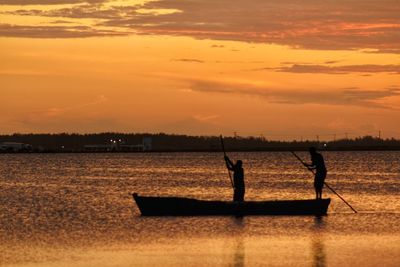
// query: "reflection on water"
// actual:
[[319, 253], [239, 254], [76, 210], [318, 249], [239, 257]]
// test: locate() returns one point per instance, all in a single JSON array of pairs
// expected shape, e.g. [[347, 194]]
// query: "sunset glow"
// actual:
[[283, 69]]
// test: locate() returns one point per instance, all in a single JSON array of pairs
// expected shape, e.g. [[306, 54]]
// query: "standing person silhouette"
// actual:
[[238, 178], [317, 164]]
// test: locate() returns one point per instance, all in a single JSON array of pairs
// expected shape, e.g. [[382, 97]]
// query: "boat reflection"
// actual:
[[239, 252], [317, 245]]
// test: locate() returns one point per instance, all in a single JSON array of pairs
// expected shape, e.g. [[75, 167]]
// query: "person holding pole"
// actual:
[[317, 164], [238, 178], [330, 188]]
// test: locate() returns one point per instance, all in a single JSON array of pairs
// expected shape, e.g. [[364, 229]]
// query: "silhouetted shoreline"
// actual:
[[145, 142]]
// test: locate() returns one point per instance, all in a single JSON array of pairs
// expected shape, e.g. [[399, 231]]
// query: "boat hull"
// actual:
[[178, 206]]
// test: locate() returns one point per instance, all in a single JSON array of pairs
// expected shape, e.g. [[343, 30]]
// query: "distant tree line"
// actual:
[[65, 142]]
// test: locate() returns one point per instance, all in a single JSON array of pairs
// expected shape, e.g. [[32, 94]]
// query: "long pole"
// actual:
[[223, 149], [325, 183]]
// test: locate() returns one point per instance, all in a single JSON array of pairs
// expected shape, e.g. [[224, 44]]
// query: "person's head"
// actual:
[[312, 150], [239, 163]]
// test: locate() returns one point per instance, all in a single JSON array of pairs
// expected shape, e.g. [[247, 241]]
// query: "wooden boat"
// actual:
[[178, 206]]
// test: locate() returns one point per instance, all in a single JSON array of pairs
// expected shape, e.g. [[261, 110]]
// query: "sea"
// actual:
[[77, 210]]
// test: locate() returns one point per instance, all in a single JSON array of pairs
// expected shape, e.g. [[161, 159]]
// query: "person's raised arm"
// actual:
[[229, 163]]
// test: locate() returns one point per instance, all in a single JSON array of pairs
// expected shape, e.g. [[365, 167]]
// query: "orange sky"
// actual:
[[284, 69]]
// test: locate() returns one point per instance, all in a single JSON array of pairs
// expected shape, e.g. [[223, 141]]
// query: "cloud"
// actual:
[[71, 118], [8, 30], [206, 117], [331, 61], [46, 2], [61, 22], [310, 24], [58, 111], [188, 60], [343, 96], [346, 69], [371, 25], [84, 11]]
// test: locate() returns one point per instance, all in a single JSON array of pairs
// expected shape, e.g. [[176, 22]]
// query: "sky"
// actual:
[[283, 69]]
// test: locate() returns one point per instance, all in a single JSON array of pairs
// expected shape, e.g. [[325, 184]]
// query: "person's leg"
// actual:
[[316, 187], [236, 196], [323, 182], [242, 195], [319, 182]]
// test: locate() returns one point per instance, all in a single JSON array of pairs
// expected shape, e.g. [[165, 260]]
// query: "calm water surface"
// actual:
[[76, 210]]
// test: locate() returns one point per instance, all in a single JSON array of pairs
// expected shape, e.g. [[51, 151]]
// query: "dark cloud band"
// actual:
[[346, 69], [46, 2], [8, 30], [344, 97], [372, 25]]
